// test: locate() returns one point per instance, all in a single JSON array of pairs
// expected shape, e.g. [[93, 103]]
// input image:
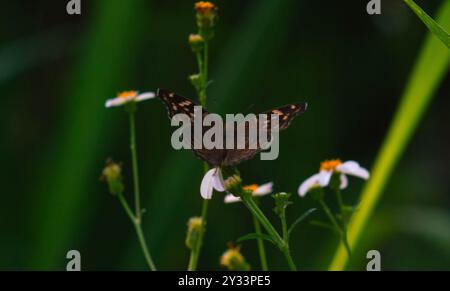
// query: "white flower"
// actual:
[[212, 180], [327, 168], [128, 96], [257, 190]]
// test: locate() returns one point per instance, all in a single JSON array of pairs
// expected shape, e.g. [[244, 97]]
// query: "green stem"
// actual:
[[342, 230], [137, 201], [203, 71], [261, 249], [137, 217], [139, 232], [256, 211], [286, 250], [195, 252], [344, 226]]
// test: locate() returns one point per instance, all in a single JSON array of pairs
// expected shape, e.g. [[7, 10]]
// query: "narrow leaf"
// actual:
[[255, 236], [300, 219], [432, 25]]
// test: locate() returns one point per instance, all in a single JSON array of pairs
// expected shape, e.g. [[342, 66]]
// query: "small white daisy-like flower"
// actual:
[[128, 96], [212, 180], [257, 190], [327, 168]]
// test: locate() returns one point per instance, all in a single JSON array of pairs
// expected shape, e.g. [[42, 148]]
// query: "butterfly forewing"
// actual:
[[177, 104], [254, 145]]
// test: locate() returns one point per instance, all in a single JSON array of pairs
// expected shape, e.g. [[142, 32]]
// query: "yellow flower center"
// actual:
[[127, 94], [251, 188], [330, 165], [204, 7]]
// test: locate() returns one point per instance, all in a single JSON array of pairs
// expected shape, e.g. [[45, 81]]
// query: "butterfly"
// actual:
[[216, 157]]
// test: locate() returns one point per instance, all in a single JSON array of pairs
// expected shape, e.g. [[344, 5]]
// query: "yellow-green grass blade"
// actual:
[[430, 68], [432, 25]]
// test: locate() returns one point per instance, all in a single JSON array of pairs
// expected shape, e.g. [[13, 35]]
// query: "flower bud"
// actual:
[[233, 184], [281, 202], [196, 41], [196, 81], [233, 260], [206, 18], [195, 228], [112, 174]]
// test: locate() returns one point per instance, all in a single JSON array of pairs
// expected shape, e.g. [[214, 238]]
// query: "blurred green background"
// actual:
[[56, 71]]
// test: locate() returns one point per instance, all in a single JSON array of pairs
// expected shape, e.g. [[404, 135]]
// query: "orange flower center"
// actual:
[[330, 165], [127, 94], [251, 188], [204, 7]]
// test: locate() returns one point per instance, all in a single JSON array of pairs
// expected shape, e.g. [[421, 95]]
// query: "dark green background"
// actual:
[[56, 71]]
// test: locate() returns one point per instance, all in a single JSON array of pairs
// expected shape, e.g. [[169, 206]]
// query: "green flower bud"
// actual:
[[196, 81], [195, 228], [112, 174], [281, 202], [233, 184], [196, 41]]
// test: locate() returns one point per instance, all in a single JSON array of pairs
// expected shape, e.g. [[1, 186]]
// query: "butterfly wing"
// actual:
[[176, 104], [284, 114]]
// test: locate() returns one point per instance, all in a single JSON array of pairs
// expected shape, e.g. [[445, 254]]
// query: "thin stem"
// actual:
[[286, 250], [134, 160], [256, 211], [195, 252], [330, 215], [261, 249], [284, 228], [203, 72], [344, 226], [341, 230], [139, 232], [287, 255]]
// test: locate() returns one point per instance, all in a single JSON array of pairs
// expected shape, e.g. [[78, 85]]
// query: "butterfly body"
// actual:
[[220, 157]]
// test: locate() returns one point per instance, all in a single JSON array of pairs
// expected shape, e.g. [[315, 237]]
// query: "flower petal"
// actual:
[[324, 178], [308, 184], [344, 181], [230, 198], [145, 96], [217, 181], [115, 102], [354, 169], [264, 189], [206, 187]]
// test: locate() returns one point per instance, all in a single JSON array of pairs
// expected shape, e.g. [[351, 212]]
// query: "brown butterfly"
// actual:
[[228, 157]]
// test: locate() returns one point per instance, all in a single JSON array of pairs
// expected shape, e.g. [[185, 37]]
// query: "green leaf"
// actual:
[[432, 25], [255, 236], [300, 219]]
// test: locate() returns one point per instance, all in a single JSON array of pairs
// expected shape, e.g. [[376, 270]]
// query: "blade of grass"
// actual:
[[432, 25], [430, 68], [69, 163]]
